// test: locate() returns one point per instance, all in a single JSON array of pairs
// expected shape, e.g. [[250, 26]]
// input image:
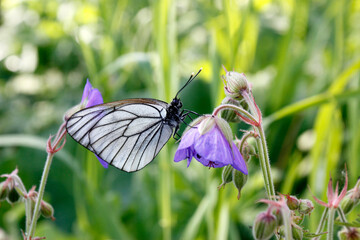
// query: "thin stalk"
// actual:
[[287, 224], [264, 157], [21, 190], [266, 162], [43, 181], [330, 224], [342, 216], [263, 169], [235, 108], [322, 222], [51, 150]]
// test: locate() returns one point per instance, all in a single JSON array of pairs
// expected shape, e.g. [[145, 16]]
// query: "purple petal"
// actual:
[[238, 162], [105, 164], [185, 149], [86, 91], [214, 147], [184, 154], [94, 98], [189, 138]]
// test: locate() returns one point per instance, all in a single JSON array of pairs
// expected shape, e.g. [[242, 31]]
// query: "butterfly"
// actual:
[[128, 134]]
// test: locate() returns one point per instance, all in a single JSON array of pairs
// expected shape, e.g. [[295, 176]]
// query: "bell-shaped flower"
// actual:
[[209, 141]]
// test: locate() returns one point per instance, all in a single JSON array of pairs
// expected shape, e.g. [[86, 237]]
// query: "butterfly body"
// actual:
[[127, 134]]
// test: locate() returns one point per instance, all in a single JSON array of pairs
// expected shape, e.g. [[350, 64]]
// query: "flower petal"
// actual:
[[86, 91], [213, 146], [94, 98], [105, 164], [189, 138], [238, 162]]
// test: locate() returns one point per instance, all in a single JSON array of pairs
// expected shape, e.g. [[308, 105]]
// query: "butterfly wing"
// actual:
[[127, 134]]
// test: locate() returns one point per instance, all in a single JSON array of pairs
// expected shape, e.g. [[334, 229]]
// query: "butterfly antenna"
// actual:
[[192, 77]]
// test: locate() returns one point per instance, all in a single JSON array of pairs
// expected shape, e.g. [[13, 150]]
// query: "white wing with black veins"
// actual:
[[127, 134]]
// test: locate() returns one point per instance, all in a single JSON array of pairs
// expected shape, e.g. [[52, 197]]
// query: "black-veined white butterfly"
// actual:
[[128, 134]]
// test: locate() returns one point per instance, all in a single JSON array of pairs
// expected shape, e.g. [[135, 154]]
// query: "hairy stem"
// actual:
[[36, 212], [322, 222], [330, 224]]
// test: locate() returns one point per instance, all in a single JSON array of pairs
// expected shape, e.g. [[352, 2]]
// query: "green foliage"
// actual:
[[302, 58]]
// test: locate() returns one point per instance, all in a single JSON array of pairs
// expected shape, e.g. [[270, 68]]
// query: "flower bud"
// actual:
[[239, 180], [229, 114], [226, 176], [348, 203], [235, 84], [297, 234], [292, 202], [279, 219], [264, 226], [47, 210], [13, 196], [350, 233], [306, 206], [4, 191]]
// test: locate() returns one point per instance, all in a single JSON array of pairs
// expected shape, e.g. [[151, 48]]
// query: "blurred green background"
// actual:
[[302, 58]]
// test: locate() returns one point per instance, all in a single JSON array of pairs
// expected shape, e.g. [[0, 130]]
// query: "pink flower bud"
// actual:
[[292, 202], [264, 226]]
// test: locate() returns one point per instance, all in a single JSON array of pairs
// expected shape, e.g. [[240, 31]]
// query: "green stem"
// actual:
[[36, 212], [264, 156], [266, 162], [51, 152], [263, 168], [21, 190], [342, 216], [330, 223], [322, 222], [287, 223]]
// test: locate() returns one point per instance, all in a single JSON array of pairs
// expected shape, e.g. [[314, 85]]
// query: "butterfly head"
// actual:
[[176, 103]]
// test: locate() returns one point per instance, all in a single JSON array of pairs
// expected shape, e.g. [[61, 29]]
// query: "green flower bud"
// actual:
[[348, 203], [47, 210], [13, 196], [228, 114], [306, 206], [235, 84], [4, 191], [278, 215], [292, 202], [239, 180], [226, 176], [297, 233], [264, 226]]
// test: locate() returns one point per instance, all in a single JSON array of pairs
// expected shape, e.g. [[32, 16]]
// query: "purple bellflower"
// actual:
[[91, 97], [210, 143]]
